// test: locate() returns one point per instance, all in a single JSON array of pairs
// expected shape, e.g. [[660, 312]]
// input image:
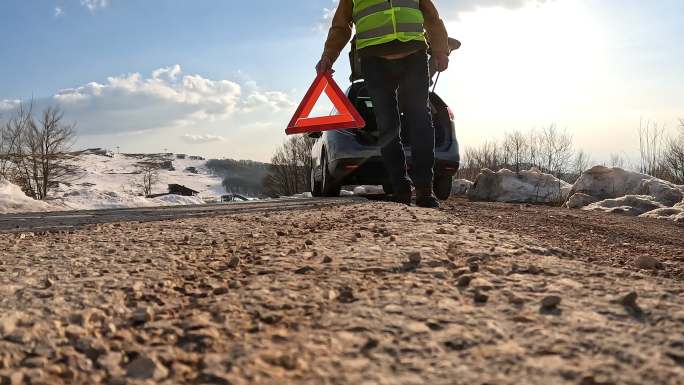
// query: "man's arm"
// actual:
[[436, 33], [340, 32]]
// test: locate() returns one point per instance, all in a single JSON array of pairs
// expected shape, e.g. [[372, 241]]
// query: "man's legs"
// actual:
[[414, 86], [382, 83]]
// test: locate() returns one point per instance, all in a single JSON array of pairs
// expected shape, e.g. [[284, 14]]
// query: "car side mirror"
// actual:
[[314, 135]]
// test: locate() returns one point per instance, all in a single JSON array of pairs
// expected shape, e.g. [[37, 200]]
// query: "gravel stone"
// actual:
[[648, 263], [551, 302], [146, 368]]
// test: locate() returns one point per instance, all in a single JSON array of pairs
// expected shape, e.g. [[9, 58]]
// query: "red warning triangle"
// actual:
[[347, 117]]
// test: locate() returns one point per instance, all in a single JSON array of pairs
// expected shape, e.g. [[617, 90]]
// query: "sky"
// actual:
[[221, 78]]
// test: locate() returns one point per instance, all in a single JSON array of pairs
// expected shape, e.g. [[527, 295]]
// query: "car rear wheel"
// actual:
[[442, 186], [316, 189], [329, 186]]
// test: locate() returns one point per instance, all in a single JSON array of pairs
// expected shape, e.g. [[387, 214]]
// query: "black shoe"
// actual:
[[402, 195], [426, 198]]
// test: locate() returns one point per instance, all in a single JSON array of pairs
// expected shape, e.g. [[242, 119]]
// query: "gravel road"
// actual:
[[354, 293]]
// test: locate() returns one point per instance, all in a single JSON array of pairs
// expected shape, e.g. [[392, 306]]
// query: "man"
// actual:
[[391, 40]]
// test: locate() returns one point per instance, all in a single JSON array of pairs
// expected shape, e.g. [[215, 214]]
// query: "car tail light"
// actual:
[[351, 167], [451, 113]]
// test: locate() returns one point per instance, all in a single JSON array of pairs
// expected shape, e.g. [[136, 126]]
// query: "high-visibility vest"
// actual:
[[382, 21]]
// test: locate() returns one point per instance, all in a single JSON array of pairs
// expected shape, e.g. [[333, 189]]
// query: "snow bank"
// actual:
[[664, 192], [13, 200], [530, 186], [461, 186], [368, 190], [630, 204], [607, 183], [177, 200], [620, 191], [100, 200], [579, 200], [669, 213]]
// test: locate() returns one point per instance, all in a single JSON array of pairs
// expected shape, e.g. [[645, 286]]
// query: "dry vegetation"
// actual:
[[552, 151], [290, 169]]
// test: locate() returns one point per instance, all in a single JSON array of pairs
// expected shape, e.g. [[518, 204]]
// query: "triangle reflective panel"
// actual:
[[347, 116]]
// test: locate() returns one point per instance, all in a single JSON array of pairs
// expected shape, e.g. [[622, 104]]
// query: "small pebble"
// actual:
[[414, 257], [550, 302], [481, 297], [464, 280], [629, 300]]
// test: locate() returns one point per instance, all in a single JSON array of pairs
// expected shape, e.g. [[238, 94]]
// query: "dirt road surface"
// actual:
[[358, 293]]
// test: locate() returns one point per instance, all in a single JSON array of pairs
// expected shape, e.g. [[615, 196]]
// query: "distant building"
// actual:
[[176, 189], [196, 158], [167, 165], [191, 169], [180, 156]]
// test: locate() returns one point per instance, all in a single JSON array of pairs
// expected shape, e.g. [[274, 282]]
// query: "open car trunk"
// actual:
[[370, 134]]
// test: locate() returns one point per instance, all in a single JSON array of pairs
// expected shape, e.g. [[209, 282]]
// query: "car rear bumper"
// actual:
[[359, 171]]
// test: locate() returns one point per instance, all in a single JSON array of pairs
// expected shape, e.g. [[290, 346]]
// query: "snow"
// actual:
[[621, 191], [530, 186], [178, 200], [579, 200], [13, 200], [601, 188], [118, 173], [605, 183], [368, 190], [669, 213], [664, 192], [111, 181], [630, 204], [461, 186]]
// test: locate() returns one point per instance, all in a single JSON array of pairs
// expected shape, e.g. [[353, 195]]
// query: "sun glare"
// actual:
[[535, 63]]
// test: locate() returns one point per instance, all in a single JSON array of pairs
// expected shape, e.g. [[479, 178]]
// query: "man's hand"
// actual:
[[324, 65], [441, 62]]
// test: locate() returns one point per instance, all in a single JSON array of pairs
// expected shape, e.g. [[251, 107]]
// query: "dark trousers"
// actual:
[[404, 82]]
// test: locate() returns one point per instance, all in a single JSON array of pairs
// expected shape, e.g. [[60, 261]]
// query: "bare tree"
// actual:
[[12, 141], [651, 143], [515, 148], [616, 160], [149, 176], [673, 157], [290, 168], [581, 162], [35, 154], [474, 159], [555, 150]]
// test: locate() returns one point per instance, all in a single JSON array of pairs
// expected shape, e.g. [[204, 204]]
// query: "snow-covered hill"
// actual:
[[105, 180]]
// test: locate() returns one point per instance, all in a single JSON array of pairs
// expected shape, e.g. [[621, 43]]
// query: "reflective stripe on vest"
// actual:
[[382, 21]]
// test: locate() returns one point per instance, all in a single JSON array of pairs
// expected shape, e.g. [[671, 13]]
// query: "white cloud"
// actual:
[[202, 139], [326, 19], [452, 8], [134, 103], [275, 100], [8, 104], [58, 12], [94, 4]]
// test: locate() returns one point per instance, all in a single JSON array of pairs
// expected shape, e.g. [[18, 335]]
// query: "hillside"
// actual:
[[103, 180]]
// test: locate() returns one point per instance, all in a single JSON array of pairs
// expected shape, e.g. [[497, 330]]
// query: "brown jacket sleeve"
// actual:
[[340, 31], [434, 26]]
